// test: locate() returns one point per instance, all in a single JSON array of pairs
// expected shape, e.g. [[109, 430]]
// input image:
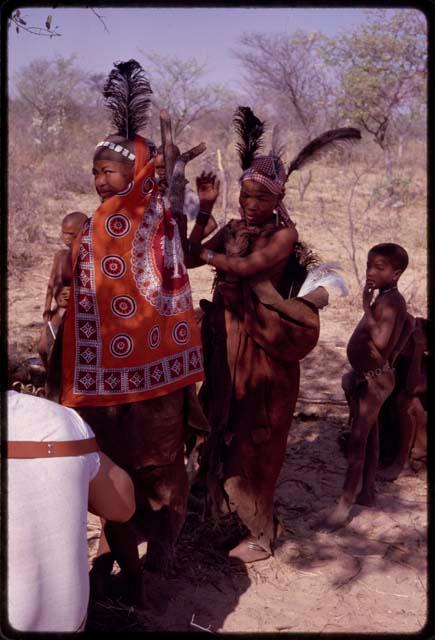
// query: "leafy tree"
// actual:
[[382, 67]]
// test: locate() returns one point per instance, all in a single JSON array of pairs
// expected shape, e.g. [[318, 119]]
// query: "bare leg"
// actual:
[[406, 434], [102, 566], [42, 346], [354, 476], [371, 398], [367, 494], [123, 543]]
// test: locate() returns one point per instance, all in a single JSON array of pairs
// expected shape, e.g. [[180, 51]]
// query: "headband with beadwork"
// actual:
[[113, 146]]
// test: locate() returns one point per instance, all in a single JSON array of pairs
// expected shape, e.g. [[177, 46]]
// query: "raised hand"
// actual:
[[207, 187]]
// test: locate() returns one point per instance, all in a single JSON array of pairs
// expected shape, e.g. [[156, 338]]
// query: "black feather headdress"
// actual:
[[325, 141], [250, 130], [126, 93]]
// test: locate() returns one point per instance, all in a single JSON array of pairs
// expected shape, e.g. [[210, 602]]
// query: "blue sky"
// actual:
[[207, 34]]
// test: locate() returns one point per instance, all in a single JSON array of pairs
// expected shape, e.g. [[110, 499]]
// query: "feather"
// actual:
[[126, 93], [327, 275], [325, 141], [305, 256], [277, 148], [250, 130]]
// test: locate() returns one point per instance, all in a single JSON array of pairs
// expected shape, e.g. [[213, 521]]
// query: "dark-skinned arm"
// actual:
[[52, 281], [279, 247], [380, 319], [207, 187], [215, 244]]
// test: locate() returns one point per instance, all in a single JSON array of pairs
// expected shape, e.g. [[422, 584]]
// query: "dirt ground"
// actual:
[[367, 577]]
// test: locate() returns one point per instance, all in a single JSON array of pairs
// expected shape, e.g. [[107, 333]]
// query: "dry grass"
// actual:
[[43, 189]]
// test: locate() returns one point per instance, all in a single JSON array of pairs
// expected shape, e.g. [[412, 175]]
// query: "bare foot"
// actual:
[[249, 551], [328, 520]]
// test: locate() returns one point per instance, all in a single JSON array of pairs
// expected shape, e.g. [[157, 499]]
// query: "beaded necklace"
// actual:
[[381, 293]]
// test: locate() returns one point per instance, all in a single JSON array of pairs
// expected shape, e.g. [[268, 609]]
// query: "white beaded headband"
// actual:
[[117, 147]]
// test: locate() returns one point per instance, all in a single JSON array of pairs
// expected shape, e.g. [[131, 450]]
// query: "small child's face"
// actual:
[[380, 272], [111, 177], [69, 232], [257, 202]]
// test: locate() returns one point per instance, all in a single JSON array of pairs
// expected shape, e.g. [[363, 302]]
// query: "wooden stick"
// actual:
[[170, 150], [178, 181]]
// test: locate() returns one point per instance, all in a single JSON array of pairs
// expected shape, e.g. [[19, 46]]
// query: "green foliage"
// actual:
[[383, 68], [394, 190]]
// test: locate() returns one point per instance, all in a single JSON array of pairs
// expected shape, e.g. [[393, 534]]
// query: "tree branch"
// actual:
[[100, 18]]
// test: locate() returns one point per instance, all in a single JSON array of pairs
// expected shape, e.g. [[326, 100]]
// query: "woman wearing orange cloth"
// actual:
[[131, 348]]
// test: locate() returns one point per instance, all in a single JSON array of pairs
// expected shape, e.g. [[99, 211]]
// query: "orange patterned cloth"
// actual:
[[130, 331]]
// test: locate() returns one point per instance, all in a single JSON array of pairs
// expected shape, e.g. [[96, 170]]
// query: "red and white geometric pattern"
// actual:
[[113, 266], [147, 185], [117, 225], [154, 337], [90, 378], [123, 306], [181, 333], [121, 345], [157, 262]]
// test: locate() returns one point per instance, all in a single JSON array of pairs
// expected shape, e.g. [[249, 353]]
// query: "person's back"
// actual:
[[48, 583]]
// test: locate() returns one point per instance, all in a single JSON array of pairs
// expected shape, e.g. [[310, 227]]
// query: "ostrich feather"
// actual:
[[250, 130], [327, 275], [277, 148], [126, 93], [327, 140]]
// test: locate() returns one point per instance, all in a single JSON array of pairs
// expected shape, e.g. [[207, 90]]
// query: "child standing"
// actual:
[[372, 349], [59, 284]]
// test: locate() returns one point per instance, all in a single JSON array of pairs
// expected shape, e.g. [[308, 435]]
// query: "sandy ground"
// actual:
[[367, 577]]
